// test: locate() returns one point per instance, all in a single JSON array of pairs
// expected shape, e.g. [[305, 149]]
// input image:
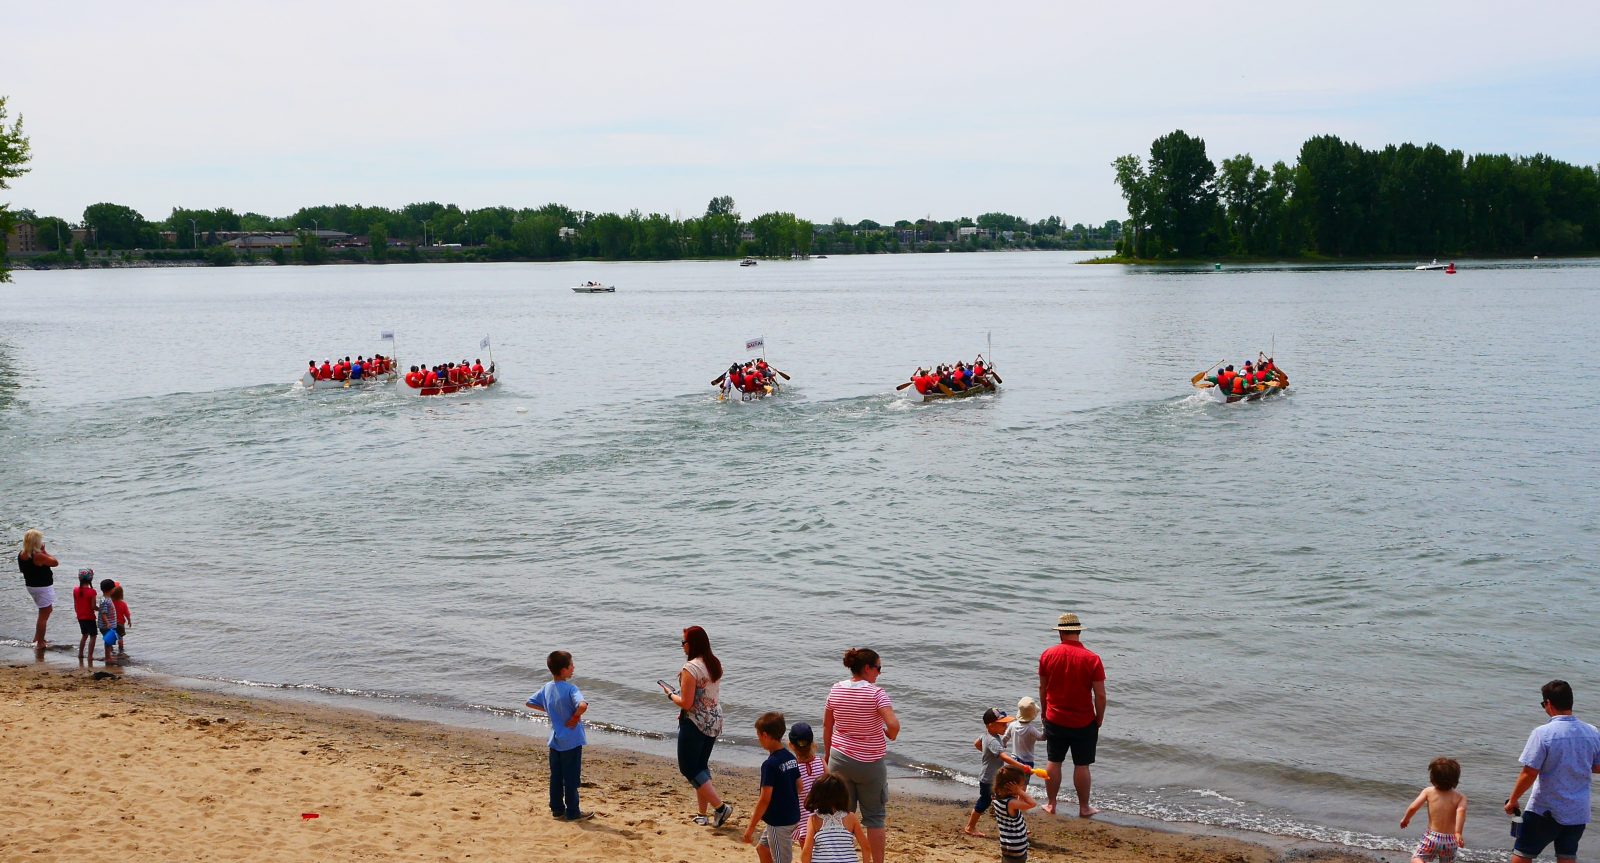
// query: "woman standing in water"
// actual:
[[857, 725], [35, 563], [699, 722]]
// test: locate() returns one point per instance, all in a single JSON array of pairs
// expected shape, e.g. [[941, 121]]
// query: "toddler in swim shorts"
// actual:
[[1447, 813]]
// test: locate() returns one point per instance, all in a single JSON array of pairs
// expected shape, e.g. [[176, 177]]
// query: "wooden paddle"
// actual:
[[780, 374], [720, 379], [996, 376], [1196, 379], [904, 385]]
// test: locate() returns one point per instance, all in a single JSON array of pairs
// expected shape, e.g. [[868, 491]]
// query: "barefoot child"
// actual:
[[802, 744], [833, 833], [1447, 813], [83, 605], [1010, 801], [564, 704], [992, 745], [1022, 735], [106, 616], [779, 804], [124, 620]]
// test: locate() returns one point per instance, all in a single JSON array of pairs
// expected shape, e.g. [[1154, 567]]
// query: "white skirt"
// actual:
[[43, 597]]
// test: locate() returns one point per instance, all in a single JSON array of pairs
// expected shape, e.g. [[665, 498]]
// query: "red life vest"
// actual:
[[325, 373], [924, 383], [477, 370], [430, 379], [1237, 384]]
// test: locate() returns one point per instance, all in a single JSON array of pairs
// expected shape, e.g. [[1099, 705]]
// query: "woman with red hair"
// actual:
[[699, 722]]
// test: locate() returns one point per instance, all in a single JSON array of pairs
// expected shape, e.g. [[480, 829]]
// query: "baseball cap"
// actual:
[[992, 715], [800, 732]]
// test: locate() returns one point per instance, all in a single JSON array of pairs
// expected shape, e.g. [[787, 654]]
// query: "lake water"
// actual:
[[1300, 602]]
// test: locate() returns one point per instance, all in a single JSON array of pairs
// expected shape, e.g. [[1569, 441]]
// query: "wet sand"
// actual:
[[140, 770]]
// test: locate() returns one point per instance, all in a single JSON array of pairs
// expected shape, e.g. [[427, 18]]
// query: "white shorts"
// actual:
[[43, 597]]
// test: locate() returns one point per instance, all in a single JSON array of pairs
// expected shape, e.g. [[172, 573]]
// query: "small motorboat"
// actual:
[[1435, 266], [748, 262], [595, 288]]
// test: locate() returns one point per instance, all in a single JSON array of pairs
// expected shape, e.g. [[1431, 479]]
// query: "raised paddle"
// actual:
[[783, 375], [996, 376], [719, 380], [904, 385], [1196, 379]]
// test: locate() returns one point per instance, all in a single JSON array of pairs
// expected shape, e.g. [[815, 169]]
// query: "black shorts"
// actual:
[[87, 627], [1080, 742]]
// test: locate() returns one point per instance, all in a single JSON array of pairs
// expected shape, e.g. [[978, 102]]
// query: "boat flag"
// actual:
[[757, 342], [386, 336], [484, 343]]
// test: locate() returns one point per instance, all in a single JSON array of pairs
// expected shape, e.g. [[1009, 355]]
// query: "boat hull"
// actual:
[[446, 389], [308, 381], [734, 395], [587, 289], [1265, 392], [943, 393]]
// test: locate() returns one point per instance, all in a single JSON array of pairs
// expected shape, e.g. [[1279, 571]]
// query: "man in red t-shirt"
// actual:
[[1072, 698]]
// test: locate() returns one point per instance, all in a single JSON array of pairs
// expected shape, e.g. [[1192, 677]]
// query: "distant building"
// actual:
[[568, 233], [22, 239], [263, 241]]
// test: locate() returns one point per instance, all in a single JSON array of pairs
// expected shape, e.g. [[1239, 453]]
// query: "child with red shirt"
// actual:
[[83, 607], [124, 619]]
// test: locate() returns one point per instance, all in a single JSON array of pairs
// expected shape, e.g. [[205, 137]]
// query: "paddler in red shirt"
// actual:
[[923, 381], [477, 368], [326, 372]]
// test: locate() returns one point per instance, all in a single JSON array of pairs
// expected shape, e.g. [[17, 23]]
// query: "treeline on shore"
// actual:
[[433, 231], [1341, 200]]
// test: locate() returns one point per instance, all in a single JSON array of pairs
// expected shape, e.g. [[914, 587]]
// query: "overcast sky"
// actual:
[[880, 110]]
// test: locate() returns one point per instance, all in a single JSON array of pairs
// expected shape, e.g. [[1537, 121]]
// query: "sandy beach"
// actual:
[[159, 772]]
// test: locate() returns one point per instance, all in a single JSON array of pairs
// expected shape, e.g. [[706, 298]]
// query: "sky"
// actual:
[[825, 109]]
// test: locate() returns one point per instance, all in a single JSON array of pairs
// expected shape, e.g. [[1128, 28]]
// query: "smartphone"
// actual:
[[667, 686]]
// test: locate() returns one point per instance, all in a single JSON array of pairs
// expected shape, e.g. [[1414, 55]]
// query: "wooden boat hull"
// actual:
[[946, 393], [446, 389], [310, 382]]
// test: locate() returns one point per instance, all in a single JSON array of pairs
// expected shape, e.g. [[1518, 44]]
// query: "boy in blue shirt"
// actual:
[[564, 704], [779, 805]]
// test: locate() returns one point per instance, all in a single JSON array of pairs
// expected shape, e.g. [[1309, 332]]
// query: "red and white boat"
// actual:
[[483, 381]]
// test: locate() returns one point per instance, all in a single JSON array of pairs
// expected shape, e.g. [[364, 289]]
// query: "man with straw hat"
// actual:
[[1072, 697]]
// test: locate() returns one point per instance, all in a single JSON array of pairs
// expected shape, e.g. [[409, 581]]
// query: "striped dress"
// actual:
[[834, 843], [810, 771], [1013, 830]]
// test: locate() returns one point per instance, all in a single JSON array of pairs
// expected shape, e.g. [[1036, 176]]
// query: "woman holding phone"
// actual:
[[699, 722]]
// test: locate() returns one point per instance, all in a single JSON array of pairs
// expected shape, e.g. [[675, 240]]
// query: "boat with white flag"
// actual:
[[752, 379]]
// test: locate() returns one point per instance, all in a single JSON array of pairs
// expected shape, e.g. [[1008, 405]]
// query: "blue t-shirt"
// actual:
[[1565, 751], [559, 699], [780, 772]]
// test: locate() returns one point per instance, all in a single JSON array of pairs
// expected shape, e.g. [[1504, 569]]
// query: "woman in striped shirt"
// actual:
[[857, 725]]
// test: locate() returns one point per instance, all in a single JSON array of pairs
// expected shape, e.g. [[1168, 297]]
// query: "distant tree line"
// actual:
[[435, 231], [1340, 200]]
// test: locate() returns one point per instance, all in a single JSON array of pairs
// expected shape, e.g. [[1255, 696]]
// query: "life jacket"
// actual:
[[431, 379], [977, 370], [477, 370], [924, 383], [325, 372], [1225, 380], [1237, 384]]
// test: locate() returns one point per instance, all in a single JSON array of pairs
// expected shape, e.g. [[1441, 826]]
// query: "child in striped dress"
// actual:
[[803, 744], [1010, 801], [833, 832]]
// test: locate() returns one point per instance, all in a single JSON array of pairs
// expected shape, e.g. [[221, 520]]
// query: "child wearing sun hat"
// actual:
[[1021, 735]]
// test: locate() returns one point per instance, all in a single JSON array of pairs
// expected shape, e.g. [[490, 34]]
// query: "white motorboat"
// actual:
[[1433, 266], [595, 288]]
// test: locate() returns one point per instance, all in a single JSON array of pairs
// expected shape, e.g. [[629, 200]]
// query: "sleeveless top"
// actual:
[[1013, 832], [705, 712], [34, 575], [834, 843], [810, 772]]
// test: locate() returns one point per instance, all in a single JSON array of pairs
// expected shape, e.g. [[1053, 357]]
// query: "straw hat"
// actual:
[[1027, 709], [1068, 623]]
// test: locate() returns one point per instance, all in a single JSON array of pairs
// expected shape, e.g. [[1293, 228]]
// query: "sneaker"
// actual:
[[723, 812], [702, 820]]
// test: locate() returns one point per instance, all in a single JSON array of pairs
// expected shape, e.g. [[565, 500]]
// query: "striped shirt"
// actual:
[[1013, 830], [857, 727], [834, 843], [810, 771]]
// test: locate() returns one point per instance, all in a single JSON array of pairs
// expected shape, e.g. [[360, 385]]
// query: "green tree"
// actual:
[[53, 233], [1184, 199], [114, 226], [14, 154], [220, 256], [378, 239]]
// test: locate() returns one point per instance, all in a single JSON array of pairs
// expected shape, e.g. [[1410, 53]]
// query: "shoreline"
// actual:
[[163, 765]]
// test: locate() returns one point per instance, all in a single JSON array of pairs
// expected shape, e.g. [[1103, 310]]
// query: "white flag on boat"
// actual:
[[386, 335], [757, 342], [484, 343]]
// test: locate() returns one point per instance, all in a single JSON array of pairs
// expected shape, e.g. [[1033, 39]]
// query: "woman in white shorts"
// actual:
[[35, 563]]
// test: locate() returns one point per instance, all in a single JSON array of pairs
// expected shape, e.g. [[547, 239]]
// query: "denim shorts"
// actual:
[[1539, 831]]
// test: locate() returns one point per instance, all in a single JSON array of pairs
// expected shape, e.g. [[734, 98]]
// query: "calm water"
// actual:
[[1299, 602]]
